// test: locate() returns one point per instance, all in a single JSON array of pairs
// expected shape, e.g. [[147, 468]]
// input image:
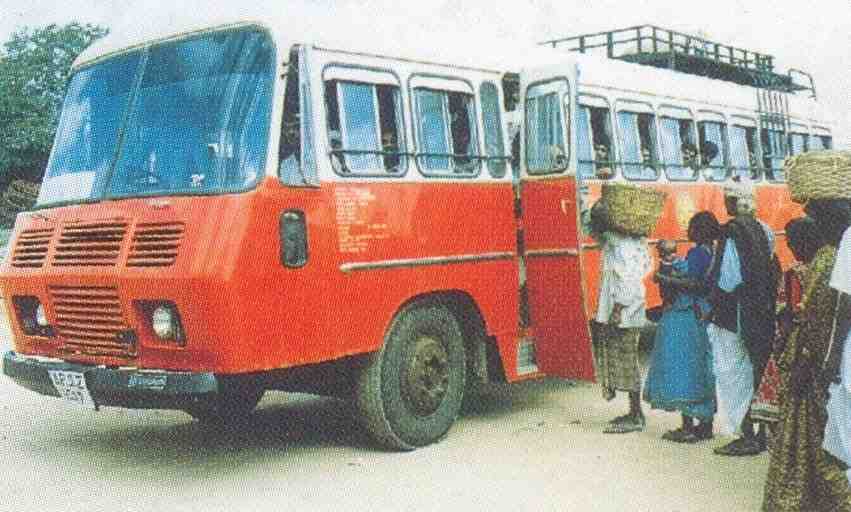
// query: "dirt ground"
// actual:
[[536, 446]]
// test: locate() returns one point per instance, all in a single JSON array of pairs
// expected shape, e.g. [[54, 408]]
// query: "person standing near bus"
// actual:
[[802, 477], [620, 317], [680, 376], [837, 435], [743, 297]]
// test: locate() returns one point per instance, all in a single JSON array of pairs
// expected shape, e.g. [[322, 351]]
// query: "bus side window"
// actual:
[[364, 128], [797, 143], [594, 138], [743, 159], [773, 154], [638, 146], [494, 142], [446, 132], [713, 150], [545, 147], [820, 142], [679, 149], [297, 166]]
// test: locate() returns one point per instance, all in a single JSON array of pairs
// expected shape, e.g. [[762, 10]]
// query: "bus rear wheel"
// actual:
[[232, 405], [410, 392]]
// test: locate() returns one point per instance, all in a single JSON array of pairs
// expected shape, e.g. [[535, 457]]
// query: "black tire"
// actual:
[[232, 405], [410, 392]]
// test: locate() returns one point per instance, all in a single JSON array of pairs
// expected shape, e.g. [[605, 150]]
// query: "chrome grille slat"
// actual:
[[89, 320]]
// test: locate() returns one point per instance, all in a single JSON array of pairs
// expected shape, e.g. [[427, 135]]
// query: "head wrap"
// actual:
[[740, 187]]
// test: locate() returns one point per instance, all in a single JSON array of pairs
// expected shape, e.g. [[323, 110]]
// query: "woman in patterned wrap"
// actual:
[[802, 239], [802, 476]]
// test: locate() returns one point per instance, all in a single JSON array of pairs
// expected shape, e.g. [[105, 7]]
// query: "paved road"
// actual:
[[534, 446]]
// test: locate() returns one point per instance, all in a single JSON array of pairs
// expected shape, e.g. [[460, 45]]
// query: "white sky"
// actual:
[[813, 36]]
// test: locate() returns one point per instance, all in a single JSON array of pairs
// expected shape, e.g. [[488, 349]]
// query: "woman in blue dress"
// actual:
[[680, 377]]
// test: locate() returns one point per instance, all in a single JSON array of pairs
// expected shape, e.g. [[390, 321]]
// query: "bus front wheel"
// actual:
[[410, 392]]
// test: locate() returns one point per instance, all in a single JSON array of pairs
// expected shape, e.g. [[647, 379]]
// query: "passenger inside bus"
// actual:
[[690, 159], [602, 161], [638, 144], [743, 157], [709, 154], [595, 131], [446, 131], [462, 126], [390, 147], [678, 149], [712, 136], [363, 125]]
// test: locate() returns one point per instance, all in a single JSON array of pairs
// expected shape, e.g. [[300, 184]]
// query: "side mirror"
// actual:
[[293, 234]]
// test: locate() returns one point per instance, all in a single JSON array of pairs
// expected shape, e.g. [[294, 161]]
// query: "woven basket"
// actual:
[[819, 175], [632, 210]]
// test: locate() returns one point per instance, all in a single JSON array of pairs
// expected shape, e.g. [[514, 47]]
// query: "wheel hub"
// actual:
[[425, 378]]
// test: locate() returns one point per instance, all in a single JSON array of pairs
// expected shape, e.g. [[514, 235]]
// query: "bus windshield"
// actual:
[[183, 117]]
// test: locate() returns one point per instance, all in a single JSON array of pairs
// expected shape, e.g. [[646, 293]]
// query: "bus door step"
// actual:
[[526, 361]]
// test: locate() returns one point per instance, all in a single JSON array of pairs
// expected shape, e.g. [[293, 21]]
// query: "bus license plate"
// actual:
[[72, 387]]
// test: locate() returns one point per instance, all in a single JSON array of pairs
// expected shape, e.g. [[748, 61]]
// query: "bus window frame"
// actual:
[[801, 130], [613, 150], [566, 121], [504, 158], [695, 135], [768, 172], [638, 107], [713, 116], [822, 132], [416, 154], [404, 155], [757, 172]]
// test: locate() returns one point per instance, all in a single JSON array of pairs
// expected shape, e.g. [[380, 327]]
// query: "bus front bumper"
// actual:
[[94, 386]]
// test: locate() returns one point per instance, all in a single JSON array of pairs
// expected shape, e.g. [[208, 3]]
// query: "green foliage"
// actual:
[[34, 69]]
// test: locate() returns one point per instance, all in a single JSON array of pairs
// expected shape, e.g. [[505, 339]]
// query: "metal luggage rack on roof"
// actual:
[[654, 46]]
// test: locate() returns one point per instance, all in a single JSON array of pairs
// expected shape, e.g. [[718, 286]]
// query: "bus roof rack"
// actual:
[[655, 46]]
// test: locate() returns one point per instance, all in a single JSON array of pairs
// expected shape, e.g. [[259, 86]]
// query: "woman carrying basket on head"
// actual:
[[620, 222]]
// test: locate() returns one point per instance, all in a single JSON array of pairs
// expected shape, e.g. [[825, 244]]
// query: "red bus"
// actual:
[[237, 208]]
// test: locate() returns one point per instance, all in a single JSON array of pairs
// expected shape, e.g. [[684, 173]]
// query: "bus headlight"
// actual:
[[163, 322], [31, 316], [40, 315]]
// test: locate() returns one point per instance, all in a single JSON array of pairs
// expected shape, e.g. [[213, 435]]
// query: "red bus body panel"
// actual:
[[554, 278], [243, 311]]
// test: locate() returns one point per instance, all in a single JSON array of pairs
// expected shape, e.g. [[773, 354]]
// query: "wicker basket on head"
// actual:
[[632, 210], [819, 175]]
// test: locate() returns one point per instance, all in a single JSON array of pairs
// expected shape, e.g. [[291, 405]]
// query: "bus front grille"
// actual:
[[31, 248], [155, 244], [90, 244], [89, 320]]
